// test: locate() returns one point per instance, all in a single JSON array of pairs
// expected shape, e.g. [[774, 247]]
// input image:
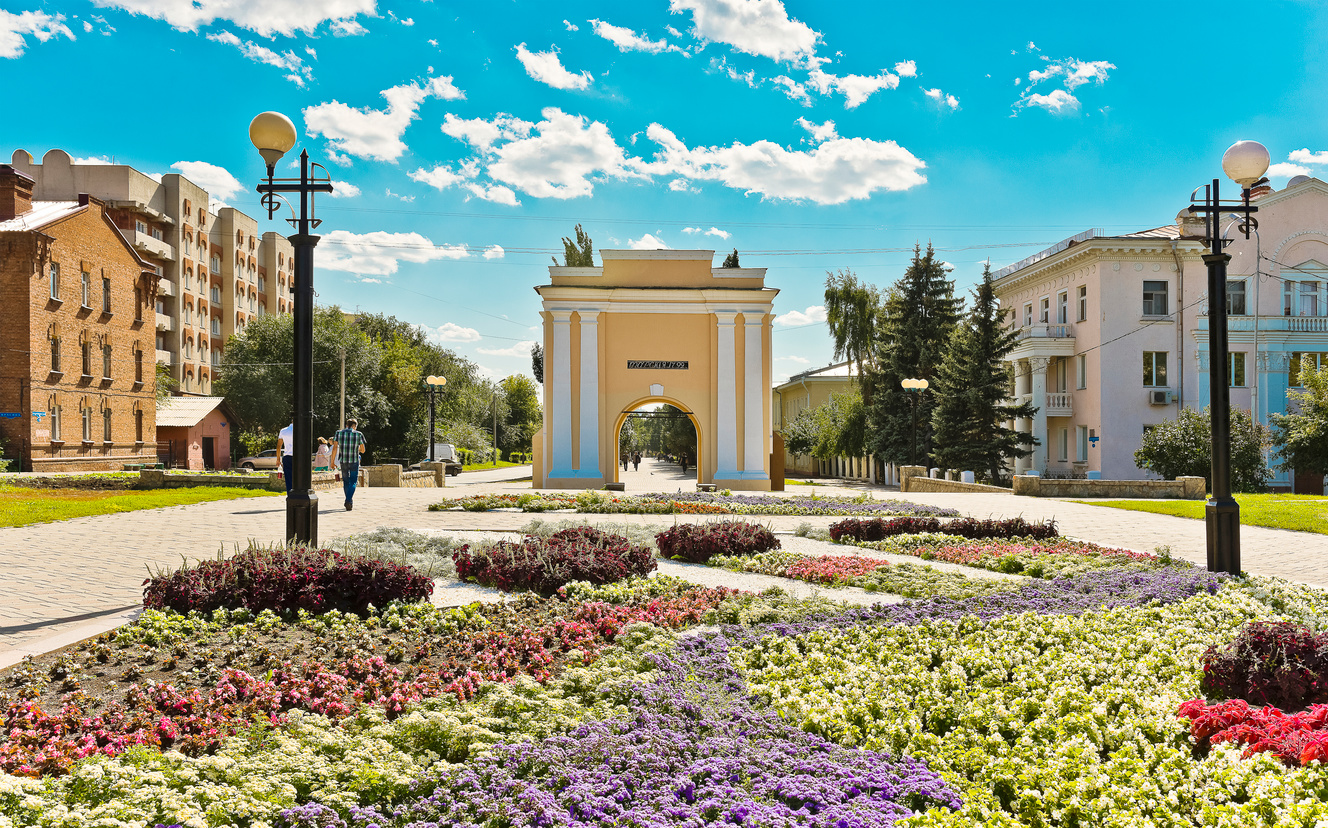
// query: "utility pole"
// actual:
[[495, 430], [342, 421]]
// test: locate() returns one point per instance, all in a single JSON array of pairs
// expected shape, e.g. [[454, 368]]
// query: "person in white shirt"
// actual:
[[286, 445]]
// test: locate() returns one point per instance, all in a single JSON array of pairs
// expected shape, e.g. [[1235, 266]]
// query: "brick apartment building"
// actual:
[[76, 335], [216, 272]]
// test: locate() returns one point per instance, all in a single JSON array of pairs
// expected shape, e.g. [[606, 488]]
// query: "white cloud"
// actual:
[[682, 185], [820, 132], [380, 253], [546, 68], [375, 134], [1057, 101], [348, 28], [482, 134], [713, 231], [838, 170], [571, 27], [494, 251], [96, 160], [87, 27], [793, 89], [408, 21], [406, 198], [647, 242], [220, 184], [440, 177], [15, 28], [942, 98], [629, 41], [757, 27], [1081, 72], [797, 359], [856, 89], [298, 71], [262, 16], [452, 332], [496, 193], [722, 66], [813, 314], [907, 69], [1304, 156], [560, 159], [520, 349], [1285, 170], [344, 189]]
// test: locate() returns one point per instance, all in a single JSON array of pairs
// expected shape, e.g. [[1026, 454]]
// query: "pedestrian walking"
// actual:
[[624, 460], [348, 445], [286, 446], [324, 455], [636, 461]]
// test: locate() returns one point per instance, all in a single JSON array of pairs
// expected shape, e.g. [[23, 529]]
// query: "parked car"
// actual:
[[444, 453], [268, 459]]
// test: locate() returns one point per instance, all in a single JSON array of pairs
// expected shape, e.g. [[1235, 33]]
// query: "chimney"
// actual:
[[15, 193]]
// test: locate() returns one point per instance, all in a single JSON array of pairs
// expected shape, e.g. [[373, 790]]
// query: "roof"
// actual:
[[41, 214], [1167, 231], [837, 371], [185, 412]]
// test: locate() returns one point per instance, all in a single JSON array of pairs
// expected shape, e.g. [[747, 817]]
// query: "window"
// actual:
[[1301, 298], [1083, 303], [1081, 444], [216, 264], [1064, 444], [55, 281], [156, 234], [1062, 307], [262, 284], [216, 327], [87, 425], [1059, 378], [106, 425], [216, 295], [106, 362], [1028, 315], [1236, 297], [161, 342], [1155, 298], [138, 304], [161, 306], [87, 358], [1081, 371], [105, 295], [1155, 369], [140, 227], [1045, 315], [55, 354], [138, 367], [55, 423], [138, 426], [1310, 360], [1236, 369], [87, 289]]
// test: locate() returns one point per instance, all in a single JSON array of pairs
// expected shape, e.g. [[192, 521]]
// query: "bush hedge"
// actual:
[[856, 529], [581, 553], [1278, 663], [698, 542], [294, 578]]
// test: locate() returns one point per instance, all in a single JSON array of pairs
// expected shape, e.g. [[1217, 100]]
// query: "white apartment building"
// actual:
[[1115, 330], [216, 273]]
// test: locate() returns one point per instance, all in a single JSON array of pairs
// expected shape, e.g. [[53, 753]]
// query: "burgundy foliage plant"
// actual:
[[581, 553], [699, 542], [856, 529]]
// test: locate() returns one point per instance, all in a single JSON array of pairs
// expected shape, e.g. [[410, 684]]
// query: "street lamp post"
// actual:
[[915, 387], [273, 135], [1244, 162], [435, 385]]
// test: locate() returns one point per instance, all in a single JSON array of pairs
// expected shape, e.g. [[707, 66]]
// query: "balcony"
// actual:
[[144, 243], [165, 357], [165, 323], [1046, 332], [165, 287], [1281, 324], [1059, 404]]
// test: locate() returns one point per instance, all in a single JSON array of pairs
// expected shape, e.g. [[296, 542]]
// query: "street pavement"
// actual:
[[61, 582]]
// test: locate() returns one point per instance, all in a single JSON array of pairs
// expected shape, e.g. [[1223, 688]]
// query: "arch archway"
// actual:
[[632, 408]]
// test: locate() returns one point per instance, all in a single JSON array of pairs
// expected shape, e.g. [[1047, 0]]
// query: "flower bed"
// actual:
[[697, 503], [1035, 558], [871, 574], [699, 542], [853, 529], [545, 564]]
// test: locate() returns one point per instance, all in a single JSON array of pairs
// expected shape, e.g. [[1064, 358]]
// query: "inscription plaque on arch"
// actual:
[[665, 364]]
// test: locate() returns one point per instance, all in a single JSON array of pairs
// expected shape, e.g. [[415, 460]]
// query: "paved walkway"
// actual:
[[60, 582]]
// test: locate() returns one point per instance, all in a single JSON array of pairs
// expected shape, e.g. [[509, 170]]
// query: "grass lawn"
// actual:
[[20, 506], [502, 464], [1303, 513]]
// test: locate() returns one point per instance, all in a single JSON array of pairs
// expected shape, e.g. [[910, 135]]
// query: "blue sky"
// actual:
[[468, 138]]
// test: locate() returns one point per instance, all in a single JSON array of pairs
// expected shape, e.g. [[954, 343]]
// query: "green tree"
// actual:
[[731, 260], [970, 387], [675, 436], [836, 428], [919, 312], [577, 253], [851, 311], [537, 362], [165, 383], [524, 417], [256, 376], [1301, 435], [1183, 447]]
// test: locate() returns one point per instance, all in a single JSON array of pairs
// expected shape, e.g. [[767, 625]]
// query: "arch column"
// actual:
[[726, 401], [1039, 429], [589, 411], [754, 452], [560, 404]]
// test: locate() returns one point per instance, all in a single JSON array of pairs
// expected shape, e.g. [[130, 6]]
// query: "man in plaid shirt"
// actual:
[[348, 445]]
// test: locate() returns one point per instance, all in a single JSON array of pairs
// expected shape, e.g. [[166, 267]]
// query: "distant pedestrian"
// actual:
[[324, 456], [286, 447], [348, 446], [636, 461], [624, 460]]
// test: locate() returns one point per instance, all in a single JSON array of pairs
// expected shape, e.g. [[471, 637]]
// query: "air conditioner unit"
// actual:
[[1159, 397]]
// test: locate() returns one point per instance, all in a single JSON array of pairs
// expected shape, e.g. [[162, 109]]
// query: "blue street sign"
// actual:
[[8, 415]]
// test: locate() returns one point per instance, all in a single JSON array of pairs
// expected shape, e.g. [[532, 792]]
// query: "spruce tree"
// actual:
[[971, 387], [918, 315]]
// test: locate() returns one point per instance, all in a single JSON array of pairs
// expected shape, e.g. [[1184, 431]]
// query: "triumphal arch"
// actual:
[[655, 326]]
